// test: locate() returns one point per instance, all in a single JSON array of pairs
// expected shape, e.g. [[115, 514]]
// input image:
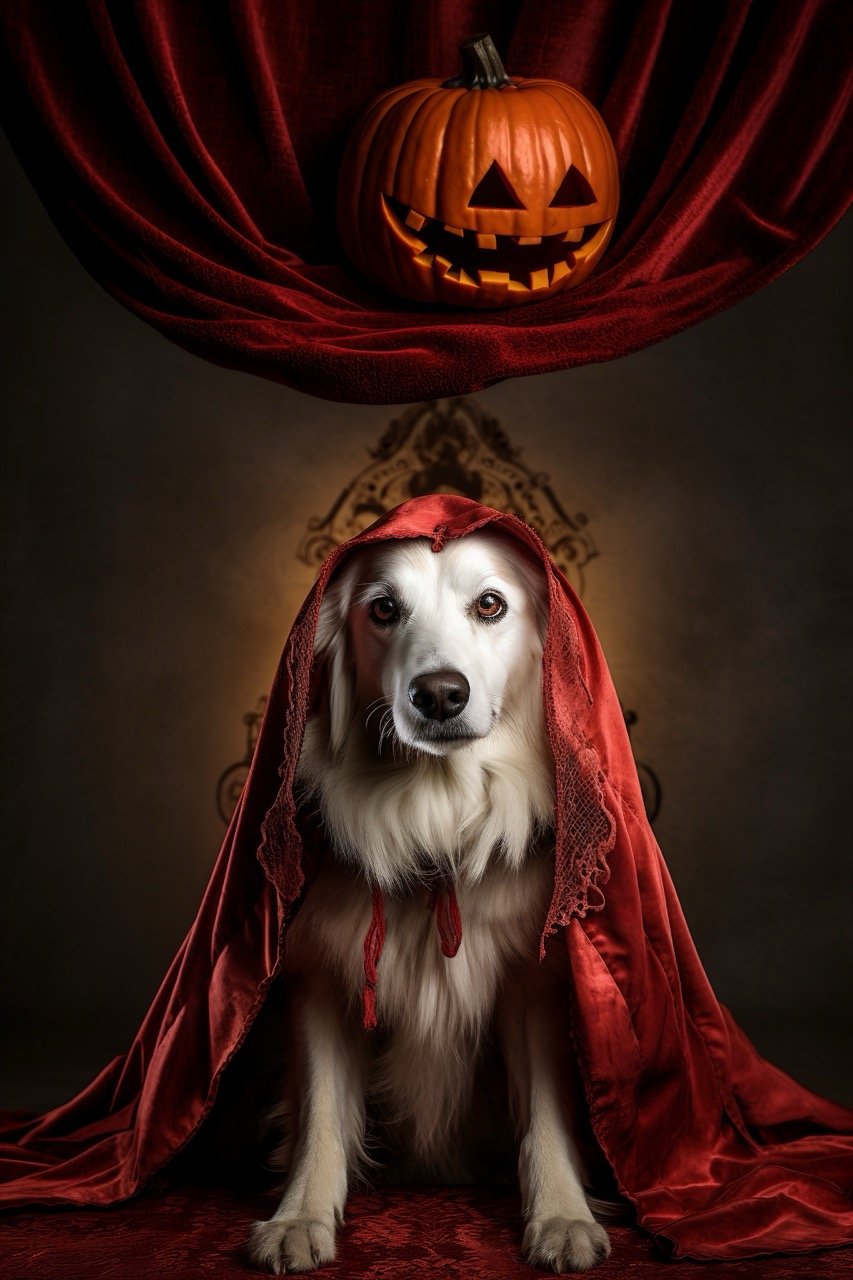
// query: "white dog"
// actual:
[[431, 768]]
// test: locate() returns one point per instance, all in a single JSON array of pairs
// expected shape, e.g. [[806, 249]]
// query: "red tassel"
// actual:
[[374, 940], [448, 919], [368, 1007]]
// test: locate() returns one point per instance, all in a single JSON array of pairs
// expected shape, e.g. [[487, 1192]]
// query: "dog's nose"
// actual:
[[439, 695]]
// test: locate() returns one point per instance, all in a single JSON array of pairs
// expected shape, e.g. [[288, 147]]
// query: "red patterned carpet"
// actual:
[[193, 1232]]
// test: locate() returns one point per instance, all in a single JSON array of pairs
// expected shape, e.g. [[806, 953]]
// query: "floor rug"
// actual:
[[193, 1232]]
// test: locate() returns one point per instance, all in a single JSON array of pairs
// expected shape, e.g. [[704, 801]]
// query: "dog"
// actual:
[[430, 765]]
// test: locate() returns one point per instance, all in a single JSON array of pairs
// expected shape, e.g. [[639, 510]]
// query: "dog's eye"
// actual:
[[384, 611], [490, 606]]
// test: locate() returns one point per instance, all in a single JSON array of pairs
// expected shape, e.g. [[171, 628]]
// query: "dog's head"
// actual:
[[439, 648]]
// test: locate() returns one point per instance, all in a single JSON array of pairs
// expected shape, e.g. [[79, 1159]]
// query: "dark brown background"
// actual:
[[152, 505]]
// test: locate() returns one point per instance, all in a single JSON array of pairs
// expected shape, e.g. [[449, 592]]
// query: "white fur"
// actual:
[[403, 800]]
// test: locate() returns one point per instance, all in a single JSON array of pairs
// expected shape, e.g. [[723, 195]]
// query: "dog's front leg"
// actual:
[[561, 1232], [301, 1233]]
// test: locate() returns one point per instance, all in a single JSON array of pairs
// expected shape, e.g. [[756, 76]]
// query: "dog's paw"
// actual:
[[565, 1245], [284, 1245]]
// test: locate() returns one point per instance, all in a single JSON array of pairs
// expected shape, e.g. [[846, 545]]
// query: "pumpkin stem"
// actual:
[[481, 66]]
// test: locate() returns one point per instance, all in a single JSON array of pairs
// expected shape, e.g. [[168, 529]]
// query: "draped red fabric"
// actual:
[[189, 154], [720, 1154]]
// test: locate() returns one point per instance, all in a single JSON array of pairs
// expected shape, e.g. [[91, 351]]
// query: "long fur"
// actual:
[[402, 804]]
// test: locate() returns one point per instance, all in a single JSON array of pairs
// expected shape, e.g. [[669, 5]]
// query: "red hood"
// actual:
[[585, 723]]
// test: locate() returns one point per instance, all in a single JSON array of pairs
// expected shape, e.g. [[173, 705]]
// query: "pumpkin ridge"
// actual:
[[370, 130], [594, 119], [410, 172], [444, 159]]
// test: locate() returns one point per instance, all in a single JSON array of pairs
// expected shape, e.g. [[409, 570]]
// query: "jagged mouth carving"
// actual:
[[524, 263]]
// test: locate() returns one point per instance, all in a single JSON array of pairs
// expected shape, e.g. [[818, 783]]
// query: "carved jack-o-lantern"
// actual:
[[480, 191]]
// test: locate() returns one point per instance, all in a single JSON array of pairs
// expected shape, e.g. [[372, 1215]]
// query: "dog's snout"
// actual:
[[439, 695]]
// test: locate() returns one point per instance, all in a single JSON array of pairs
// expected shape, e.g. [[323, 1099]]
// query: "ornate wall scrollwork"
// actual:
[[448, 446], [233, 779], [451, 447]]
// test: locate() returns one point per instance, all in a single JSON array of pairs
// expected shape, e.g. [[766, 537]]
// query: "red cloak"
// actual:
[[721, 1154]]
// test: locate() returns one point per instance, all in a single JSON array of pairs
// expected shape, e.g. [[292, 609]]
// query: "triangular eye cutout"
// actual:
[[493, 191], [573, 190]]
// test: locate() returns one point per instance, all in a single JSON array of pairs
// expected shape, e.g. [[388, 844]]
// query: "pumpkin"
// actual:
[[481, 190]]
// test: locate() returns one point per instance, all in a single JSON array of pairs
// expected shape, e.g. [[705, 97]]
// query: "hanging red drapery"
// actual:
[[189, 152]]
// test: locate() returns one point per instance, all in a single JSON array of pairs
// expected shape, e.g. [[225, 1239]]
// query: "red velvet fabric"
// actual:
[[721, 1154], [189, 154]]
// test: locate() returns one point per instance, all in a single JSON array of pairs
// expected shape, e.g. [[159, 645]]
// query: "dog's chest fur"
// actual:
[[479, 818], [482, 822], [420, 992], [435, 1012]]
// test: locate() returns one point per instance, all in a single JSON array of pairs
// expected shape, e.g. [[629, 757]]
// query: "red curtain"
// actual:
[[189, 152]]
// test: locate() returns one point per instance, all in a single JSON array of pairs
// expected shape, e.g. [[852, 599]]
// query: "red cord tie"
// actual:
[[374, 940], [448, 920], [439, 534]]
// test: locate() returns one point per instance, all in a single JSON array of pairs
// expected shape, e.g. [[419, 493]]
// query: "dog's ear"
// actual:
[[332, 648]]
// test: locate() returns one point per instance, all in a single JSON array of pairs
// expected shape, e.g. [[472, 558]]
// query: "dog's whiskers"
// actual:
[[386, 727], [373, 707], [388, 730]]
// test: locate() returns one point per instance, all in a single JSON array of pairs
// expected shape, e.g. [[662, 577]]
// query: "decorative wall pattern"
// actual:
[[233, 779], [452, 447]]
